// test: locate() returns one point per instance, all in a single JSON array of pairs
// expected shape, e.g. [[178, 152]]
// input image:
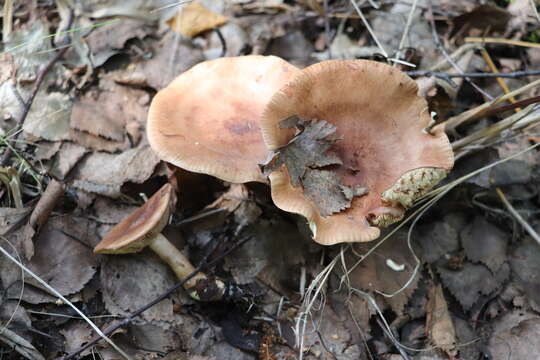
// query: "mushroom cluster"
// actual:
[[343, 143]]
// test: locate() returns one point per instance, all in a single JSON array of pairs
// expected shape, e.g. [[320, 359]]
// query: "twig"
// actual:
[[223, 42], [28, 104], [444, 75], [528, 228], [441, 48], [165, 295]]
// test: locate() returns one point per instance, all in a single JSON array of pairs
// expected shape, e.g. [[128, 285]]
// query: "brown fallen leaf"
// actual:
[[194, 18], [515, 336], [306, 156], [439, 325], [99, 119]]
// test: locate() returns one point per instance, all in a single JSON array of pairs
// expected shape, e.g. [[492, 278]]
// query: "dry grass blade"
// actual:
[[475, 113], [526, 117], [66, 301], [528, 228], [368, 27]]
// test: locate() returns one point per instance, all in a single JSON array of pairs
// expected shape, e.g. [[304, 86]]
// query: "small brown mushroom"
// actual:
[[207, 119], [143, 228], [382, 144]]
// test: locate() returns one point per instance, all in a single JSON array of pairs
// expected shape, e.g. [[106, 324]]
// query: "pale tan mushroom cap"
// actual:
[[137, 231], [381, 120], [207, 119]]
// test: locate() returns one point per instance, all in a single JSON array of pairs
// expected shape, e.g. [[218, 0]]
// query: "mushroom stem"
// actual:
[[178, 262], [200, 287]]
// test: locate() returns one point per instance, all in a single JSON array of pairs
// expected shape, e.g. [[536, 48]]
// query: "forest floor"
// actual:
[[459, 278]]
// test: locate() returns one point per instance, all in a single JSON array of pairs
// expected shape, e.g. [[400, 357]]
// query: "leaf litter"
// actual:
[[89, 117]]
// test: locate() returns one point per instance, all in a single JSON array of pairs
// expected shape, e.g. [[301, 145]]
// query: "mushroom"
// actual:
[[207, 119], [381, 143], [143, 228]]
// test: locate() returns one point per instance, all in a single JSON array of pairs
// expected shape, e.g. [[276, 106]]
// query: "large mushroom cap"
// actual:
[[139, 229], [207, 119], [380, 120]]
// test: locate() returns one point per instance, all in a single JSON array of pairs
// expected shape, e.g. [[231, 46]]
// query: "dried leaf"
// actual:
[[144, 277], [439, 325], [485, 243], [63, 256], [106, 112], [305, 155], [436, 239], [526, 267], [194, 18], [472, 281], [324, 188], [515, 336], [104, 174], [48, 118]]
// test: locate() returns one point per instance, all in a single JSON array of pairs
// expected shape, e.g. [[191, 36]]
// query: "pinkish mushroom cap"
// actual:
[[384, 147], [207, 119]]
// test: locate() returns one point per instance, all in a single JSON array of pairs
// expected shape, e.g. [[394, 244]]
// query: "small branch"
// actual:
[[165, 295], [446, 76], [222, 41], [528, 228]]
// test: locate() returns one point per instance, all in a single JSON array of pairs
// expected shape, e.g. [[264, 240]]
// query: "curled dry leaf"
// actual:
[[439, 325]]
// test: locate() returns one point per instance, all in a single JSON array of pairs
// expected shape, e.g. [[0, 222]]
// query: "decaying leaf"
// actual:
[[143, 277], [472, 281], [324, 188], [526, 267], [99, 119], [63, 257], [172, 56], [439, 325], [306, 156], [104, 174], [485, 243], [515, 336], [49, 118]]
